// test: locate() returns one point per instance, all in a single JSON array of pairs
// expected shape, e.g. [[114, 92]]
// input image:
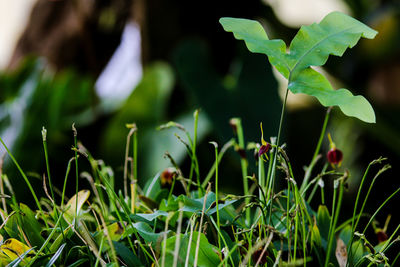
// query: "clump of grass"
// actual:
[[166, 229]]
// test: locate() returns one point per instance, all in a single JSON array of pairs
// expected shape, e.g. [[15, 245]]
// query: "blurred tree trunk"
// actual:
[[79, 34]]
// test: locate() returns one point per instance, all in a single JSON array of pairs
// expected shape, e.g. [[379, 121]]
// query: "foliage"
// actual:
[[181, 217], [310, 47]]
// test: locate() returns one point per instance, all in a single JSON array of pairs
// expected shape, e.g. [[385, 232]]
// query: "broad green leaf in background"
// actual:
[[311, 46]]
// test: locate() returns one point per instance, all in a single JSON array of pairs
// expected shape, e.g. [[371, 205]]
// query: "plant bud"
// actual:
[[167, 176], [335, 156], [264, 149]]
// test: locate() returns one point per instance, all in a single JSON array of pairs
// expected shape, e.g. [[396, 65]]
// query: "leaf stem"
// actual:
[[316, 152], [272, 174]]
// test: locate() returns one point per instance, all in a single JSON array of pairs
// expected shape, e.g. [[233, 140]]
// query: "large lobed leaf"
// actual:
[[311, 46]]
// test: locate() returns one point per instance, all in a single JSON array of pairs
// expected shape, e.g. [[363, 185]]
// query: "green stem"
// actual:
[[195, 165], [44, 133], [216, 191], [261, 179], [273, 172], [335, 214], [316, 152], [26, 181], [354, 225], [243, 164], [76, 172]]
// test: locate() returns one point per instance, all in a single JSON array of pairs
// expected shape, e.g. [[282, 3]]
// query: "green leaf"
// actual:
[[146, 232], [323, 223], [313, 83], [56, 255], [149, 217], [30, 225], [311, 46], [74, 207], [206, 257], [257, 41], [126, 255]]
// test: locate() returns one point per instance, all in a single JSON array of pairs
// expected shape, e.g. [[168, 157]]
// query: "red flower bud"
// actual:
[[167, 176], [335, 156], [265, 146], [381, 235], [264, 149]]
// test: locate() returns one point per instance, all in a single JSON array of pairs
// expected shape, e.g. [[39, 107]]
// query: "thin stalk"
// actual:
[[76, 172], [178, 236], [194, 167], [45, 242], [243, 164], [65, 180], [273, 172], [196, 254], [3, 200], [335, 213], [372, 218], [133, 196], [354, 225], [216, 189], [221, 153], [296, 229], [380, 207], [387, 243], [316, 152], [395, 259], [311, 196], [128, 138], [261, 179], [135, 157], [288, 232], [222, 238], [231, 251], [44, 135], [135, 177], [26, 181], [164, 249], [192, 222], [100, 249]]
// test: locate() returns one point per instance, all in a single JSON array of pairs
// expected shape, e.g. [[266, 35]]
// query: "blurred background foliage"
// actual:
[[189, 63]]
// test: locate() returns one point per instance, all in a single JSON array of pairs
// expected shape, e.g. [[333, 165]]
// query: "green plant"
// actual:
[[183, 218]]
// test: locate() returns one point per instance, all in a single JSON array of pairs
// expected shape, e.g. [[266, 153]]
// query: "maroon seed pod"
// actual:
[[381, 235], [264, 149], [335, 156]]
